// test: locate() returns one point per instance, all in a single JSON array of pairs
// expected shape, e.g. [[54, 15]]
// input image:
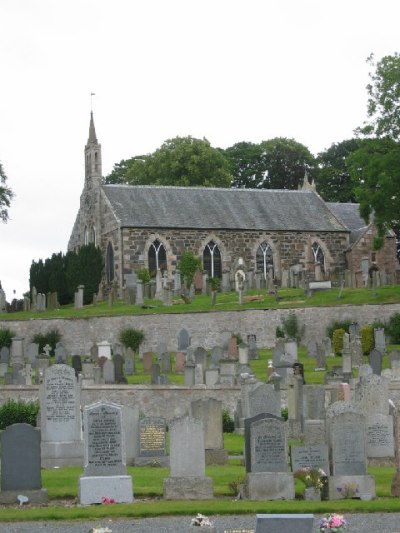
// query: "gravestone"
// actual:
[[321, 356], [211, 377], [278, 351], [312, 349], [155, 373], [291, 351], [232, 348], [5, 355], [60, 355], [267, 476], [139, 293], [379, 434], [129, 365], [217, 353], [20, 464], [200, 356], [314, 432], [316, 456], [105, 456], [189, 371], [152, 442], [198, 374], [251, 342], [209, 411], [161, 348], [166, 363], [284, 523], [94, 353], [375, 360], [103, 350], [313, 402], [179, 362], [187, 462], [147, 362], [109, 372], [379, 337], [33, 353], [60, 418], [263, 399], [119, 369], [77, 364], [183, 340], [17, 353]]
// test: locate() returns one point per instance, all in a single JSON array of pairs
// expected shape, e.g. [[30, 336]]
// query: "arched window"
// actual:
[[93, 236], [157, 258], [86, 236], [110, 263], [319, 256], [264, 258], [212, 260]]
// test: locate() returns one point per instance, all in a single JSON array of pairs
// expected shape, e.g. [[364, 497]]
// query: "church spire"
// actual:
[[92, 156]]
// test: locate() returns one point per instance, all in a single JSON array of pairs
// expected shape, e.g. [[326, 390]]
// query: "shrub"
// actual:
[[13, 412], [132, 338], [188, 265], [367, 339], [338, 324], [291, 328], [236, 484], [337, 341], [285, 413], [228, 425], [51, 338], [279, 333], [6, 336], [393, 328], [144, 275], [215, 284]]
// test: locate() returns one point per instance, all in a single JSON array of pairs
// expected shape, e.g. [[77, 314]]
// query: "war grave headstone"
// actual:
[[119, 369], [183, 340], [187, 462], [348, 455], [152, 442], [375, 360], [105, 456], [21, 465], [209, 411], [61, 425], [179, 362], [284, 523], [109, 372], [267, 476]]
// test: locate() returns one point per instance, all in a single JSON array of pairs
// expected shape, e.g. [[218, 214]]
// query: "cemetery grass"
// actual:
[[62, 485], [287, 298]]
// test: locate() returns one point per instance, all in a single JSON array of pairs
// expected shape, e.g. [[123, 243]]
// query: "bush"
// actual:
[[6, 336], [367, 339], [291, 327], [285, 413], [279, 333], [228, 425], [144, 275], [338, 324], [51, 338], [337, 341], [13, 412], [132, 338], [393, 328]]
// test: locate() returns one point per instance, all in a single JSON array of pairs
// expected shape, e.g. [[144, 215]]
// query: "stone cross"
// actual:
[[47, 350]]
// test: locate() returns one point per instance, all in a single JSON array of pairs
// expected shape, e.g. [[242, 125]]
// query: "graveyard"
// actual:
[[136, 433]]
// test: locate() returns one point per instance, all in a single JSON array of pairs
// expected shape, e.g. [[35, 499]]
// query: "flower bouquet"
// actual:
[[332, 523], [311, 477], [201, 521]]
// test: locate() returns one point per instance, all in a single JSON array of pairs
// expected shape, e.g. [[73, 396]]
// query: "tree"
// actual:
[[6, 195], [181, 161], [188, 265], [247, 164], [384, 98], [333, 179], [376, 166]]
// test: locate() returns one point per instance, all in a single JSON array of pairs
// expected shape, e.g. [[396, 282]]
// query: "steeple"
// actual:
[[92, 157]]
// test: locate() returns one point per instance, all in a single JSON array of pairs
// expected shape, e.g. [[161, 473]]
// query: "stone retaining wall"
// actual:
[[205, 328]]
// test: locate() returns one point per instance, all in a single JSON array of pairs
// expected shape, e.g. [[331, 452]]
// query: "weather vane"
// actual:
[[91, 101]]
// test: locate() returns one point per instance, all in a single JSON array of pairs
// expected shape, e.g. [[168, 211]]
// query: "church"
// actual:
[[270, 232]]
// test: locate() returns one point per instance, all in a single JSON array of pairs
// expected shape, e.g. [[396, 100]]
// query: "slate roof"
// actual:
[[349, 214], [211, 208]]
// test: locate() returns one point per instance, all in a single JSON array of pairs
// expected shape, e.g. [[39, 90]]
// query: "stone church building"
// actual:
[[272, 232]]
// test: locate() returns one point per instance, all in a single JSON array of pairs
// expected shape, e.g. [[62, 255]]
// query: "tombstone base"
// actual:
[[188, 488], [365, 485], [93, 488], [216, 457], [35, 496], [269, 486], [61, 454], [162, 460], [285, 523]]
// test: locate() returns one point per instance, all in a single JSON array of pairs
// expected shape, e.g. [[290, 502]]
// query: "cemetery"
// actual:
[[314, 417]]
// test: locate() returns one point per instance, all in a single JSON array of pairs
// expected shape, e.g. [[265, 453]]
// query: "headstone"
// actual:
[[5, 355], [183, 340], [105, 456], [189, 371], [60, 355], [251, 343], [232, 348], [129, 365], [312, 349], [372, 395], [109, 372], [316, 456], [321, 357], [77, 364], [313, 402], [379, 434], [152, 442], [20, 464], [187, 462], [94, 353], [348, 444], [380, 342], [33, 353], [139, 293], [166, 363], [291, 352], [314, 432], [217, 353], [198, 374], [211, 377], [200, 356], [60, 418], [375, 360], [263, 399], [104, 350], [119, 369], [155, 373], [278, 351], [209, 411], [147, 362], [179, 362]]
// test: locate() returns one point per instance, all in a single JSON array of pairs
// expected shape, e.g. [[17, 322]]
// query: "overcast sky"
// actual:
[[226, 70]]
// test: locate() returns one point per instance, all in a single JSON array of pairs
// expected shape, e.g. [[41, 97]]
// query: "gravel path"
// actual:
[[363, 523]]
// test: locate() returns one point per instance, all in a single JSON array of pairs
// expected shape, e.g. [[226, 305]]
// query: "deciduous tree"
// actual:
[[6, 195]]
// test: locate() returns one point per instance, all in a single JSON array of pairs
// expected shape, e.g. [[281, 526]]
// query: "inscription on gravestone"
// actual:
[[349, 450], [310, 457], [152, 437]]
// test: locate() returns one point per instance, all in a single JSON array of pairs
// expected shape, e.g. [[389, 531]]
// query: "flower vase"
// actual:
[[312, 494]]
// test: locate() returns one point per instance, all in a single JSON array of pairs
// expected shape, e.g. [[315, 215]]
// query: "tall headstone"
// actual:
[[61, 424], [375, 360], [183, 340], [105, 456], [119, 369], [209, 411], [263, 399], [109, 372], [20, 464], [187, 462]]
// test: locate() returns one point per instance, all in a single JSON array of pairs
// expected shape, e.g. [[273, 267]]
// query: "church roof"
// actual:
[[214, 208], [349, 214]]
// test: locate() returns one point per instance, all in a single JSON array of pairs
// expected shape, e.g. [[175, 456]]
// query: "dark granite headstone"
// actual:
[[119, 369], [77, 364], [375, 361], [265, 444]]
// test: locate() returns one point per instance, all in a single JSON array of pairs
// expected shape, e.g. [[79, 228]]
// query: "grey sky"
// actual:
[[226, 70]]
